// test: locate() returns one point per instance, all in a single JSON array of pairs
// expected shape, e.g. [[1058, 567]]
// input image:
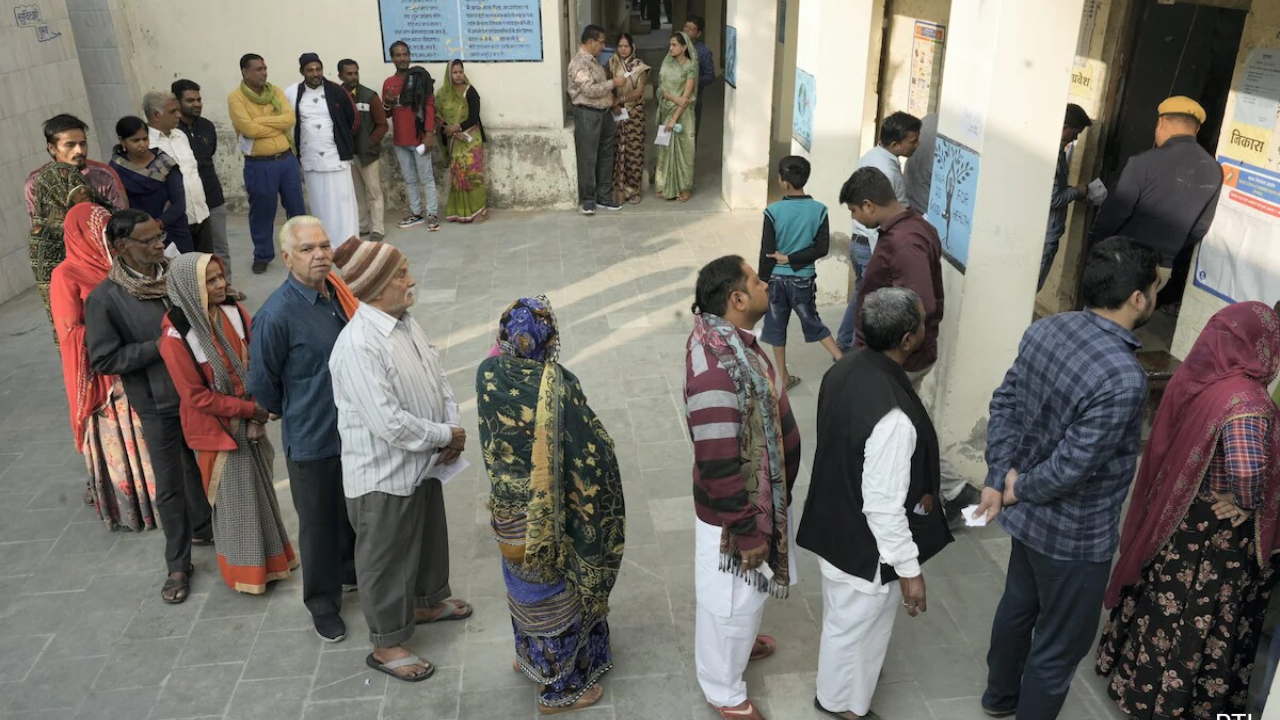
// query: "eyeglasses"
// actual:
[[161, 238]]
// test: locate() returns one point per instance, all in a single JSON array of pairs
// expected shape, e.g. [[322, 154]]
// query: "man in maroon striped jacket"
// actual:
[[746, 450]]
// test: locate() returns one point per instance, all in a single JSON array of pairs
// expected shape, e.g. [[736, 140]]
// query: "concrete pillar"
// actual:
[[748, 108], [1005, 82]]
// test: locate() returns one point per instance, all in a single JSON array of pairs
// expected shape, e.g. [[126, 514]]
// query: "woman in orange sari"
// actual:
[[204, 340], [106, 430]]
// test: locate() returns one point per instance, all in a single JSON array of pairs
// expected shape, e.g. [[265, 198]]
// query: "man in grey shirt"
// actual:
[[899, 138], [918, 173]]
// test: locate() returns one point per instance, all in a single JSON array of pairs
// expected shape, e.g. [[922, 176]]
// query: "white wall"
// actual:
[[105, 50], [748, 108], [37, 80]]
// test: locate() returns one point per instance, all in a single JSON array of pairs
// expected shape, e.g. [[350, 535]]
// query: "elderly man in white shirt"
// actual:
[[899, 138], [161, 111], [399, 425], [874, 512], [324, 138]]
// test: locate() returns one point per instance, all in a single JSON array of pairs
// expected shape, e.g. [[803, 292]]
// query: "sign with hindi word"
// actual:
[[953, 193], [469, 30]]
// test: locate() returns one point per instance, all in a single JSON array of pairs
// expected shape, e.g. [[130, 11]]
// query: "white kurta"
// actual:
[[177, 146], [330, 187], [728, 617], [858, 614]]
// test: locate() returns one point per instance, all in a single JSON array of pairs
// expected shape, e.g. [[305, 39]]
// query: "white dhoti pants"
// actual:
[[728, 618], [856, 627], [333, 200]]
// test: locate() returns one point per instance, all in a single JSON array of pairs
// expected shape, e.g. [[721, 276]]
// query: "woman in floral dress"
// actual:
[[1188, 594]]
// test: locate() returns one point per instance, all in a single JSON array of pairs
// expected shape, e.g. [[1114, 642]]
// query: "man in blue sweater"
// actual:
[[796, 234]]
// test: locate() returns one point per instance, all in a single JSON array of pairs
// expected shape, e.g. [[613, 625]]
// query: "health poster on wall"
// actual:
[[952, 195], [927, 43], [470, 30], [802, 114], [1240, 257], [1258, 97], [731, 56]]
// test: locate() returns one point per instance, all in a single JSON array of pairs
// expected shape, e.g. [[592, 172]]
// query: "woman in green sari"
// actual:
[[459, 106], [556, 506], [678, 85]]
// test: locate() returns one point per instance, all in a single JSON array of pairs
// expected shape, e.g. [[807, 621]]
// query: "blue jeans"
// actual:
[[860, 255], [417, 170], [1046, 258], [787, 293], [265, 181], [1044, 626]]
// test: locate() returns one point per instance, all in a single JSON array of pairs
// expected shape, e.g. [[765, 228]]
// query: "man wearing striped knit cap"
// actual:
[[399, 427]]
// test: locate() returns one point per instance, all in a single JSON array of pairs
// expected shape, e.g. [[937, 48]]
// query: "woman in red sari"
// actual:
[[106, 430], [1188, 594]]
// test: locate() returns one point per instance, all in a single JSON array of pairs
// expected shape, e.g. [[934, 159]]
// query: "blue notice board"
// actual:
[[470, 30], [952, 195], [802, 114], [731, 55]]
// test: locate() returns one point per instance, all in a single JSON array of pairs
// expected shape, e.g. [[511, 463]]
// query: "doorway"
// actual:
[[1182, 49], [1177, 50]]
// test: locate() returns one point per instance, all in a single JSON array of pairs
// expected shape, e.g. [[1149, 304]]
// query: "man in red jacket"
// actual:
[[908, 254]]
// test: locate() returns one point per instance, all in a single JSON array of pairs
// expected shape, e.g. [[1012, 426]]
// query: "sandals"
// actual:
[[793, 381], [453, 610], [763, 648], [589, 698], [817, 705], [182, 588], [748, 713], [391, 666]]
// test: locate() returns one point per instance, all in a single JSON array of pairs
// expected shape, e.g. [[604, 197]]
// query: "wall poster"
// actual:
[[470, 30], [1258, 97], [731, 56], [802, 114], [1240, 257], [952, 196], [928, 43]]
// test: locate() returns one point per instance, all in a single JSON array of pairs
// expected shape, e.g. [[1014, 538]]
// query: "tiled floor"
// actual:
[[83, 633]]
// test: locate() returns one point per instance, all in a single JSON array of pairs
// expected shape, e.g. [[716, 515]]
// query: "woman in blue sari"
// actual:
[[556, 506], [152, 180]]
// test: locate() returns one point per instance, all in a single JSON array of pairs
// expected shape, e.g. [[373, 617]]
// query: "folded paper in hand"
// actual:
[[664, 136], [969, 520], [445, 473], [1097, 192], [622, 115]]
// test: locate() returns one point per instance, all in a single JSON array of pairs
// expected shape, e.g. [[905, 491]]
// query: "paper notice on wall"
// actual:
[[1258, 97], [927, 45], [1082, 79], [1088, 24], [1240, 257], [1249, 144]]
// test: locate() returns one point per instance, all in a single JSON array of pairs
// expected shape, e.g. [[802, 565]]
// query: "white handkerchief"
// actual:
[[969, 520]]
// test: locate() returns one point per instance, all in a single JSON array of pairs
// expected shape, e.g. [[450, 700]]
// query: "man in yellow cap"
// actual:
[[1166, 196]]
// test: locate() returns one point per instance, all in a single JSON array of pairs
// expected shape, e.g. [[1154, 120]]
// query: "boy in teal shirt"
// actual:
[[796, 234]]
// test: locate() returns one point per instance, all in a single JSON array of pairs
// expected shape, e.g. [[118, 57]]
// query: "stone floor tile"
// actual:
[[197, 691], [503, 702], [83, 538], [487, 667], [18, 654], [62, 573], [22, 557], [653, 698], [279, 699], [285, 611], [283, 654], [433, 699], [343, 710], [88, 635], [221, 640], [157, 619], [139, 664], [672, 513], [130, 704], [644, 652], [223, 602], [52, 685], [947, 671]]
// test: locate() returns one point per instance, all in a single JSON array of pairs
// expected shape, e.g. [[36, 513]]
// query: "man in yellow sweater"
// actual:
[[264, 120]]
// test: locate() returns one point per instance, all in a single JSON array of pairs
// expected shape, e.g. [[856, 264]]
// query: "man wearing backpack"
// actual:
[[409, 99]]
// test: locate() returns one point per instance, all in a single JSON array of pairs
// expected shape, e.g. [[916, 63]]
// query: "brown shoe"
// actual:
[[589, 698]]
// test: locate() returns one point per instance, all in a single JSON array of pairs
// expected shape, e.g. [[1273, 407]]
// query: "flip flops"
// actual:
[[391, 667], [793, 381], [763, 648], [453, 610]]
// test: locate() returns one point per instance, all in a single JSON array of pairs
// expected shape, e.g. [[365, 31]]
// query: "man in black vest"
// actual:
[[873, 513], [366, 166]]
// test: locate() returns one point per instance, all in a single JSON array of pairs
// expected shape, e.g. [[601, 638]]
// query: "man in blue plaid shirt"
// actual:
[[1062, 446]]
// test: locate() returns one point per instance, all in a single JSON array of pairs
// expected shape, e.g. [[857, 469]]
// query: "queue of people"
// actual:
[[171, 384]]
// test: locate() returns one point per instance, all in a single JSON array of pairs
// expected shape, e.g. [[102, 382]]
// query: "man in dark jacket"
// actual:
[[325, 139], [366, 167], [908, 254], [122, 331], [872, 515], [1166, 196]]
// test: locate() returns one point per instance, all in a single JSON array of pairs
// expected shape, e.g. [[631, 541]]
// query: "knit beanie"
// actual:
[[367, 267]]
